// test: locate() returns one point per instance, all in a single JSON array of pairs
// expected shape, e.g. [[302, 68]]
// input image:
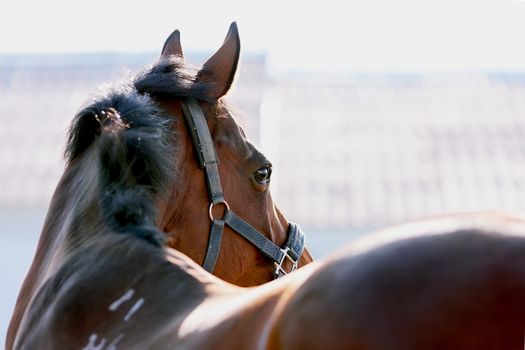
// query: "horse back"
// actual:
[[459, 290]]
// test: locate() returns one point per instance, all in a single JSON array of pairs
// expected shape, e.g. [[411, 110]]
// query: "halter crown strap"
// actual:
[[207, 159]]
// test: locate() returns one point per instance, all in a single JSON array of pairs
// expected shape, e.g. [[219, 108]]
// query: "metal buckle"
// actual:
[[279, 265]]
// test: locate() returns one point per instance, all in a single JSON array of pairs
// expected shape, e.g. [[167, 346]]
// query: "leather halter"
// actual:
[[207, 159]]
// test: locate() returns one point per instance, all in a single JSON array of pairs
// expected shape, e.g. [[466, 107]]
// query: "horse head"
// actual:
[[231, 189]]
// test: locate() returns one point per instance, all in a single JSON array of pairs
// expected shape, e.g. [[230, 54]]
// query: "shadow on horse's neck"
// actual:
[[74, 215]]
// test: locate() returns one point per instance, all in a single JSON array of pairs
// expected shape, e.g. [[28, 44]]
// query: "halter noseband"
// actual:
[[207, 159]]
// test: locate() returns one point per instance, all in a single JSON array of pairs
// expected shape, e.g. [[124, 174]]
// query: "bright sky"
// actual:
[[327, 35]]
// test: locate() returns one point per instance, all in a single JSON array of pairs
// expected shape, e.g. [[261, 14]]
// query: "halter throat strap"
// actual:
[[208, 161]]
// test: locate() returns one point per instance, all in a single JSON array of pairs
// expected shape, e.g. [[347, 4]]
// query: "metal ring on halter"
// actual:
[[213, 204]]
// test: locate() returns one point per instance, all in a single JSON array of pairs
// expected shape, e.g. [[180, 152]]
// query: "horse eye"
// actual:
[[263, 175]]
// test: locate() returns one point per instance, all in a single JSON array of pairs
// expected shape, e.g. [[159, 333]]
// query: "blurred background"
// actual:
[[373, 113]]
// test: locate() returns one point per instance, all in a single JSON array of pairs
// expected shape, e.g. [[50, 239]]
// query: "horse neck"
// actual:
[[73, 206], [74, 215]]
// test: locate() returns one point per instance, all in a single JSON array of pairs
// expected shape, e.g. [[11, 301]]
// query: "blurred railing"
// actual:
[[368, 151], [350, 152]]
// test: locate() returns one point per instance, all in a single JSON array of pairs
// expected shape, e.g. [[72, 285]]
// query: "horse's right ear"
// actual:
[[221, 67], [172, 45]]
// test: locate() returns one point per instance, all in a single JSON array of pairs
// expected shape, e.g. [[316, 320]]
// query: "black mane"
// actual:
[[133, 138]]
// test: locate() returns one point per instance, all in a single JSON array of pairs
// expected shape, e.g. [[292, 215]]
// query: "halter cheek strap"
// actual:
[[208, 161]]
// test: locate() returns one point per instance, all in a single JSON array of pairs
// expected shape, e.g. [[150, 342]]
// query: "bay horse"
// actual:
[[106, 275], [219, 214]]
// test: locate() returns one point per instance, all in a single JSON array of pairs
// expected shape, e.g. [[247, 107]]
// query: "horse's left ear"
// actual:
[[221, 67], [172, 45]]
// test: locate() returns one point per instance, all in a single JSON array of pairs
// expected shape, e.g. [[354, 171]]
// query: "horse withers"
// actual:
[[104, 276]]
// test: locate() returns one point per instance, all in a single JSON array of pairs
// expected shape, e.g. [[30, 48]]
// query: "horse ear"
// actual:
[[172, 45], [221, 67]]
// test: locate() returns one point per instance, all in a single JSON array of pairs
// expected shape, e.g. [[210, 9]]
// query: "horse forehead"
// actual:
[[229, 132]]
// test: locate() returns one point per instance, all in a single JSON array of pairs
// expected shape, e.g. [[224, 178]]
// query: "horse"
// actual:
[[237, 233], [106, 274]]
